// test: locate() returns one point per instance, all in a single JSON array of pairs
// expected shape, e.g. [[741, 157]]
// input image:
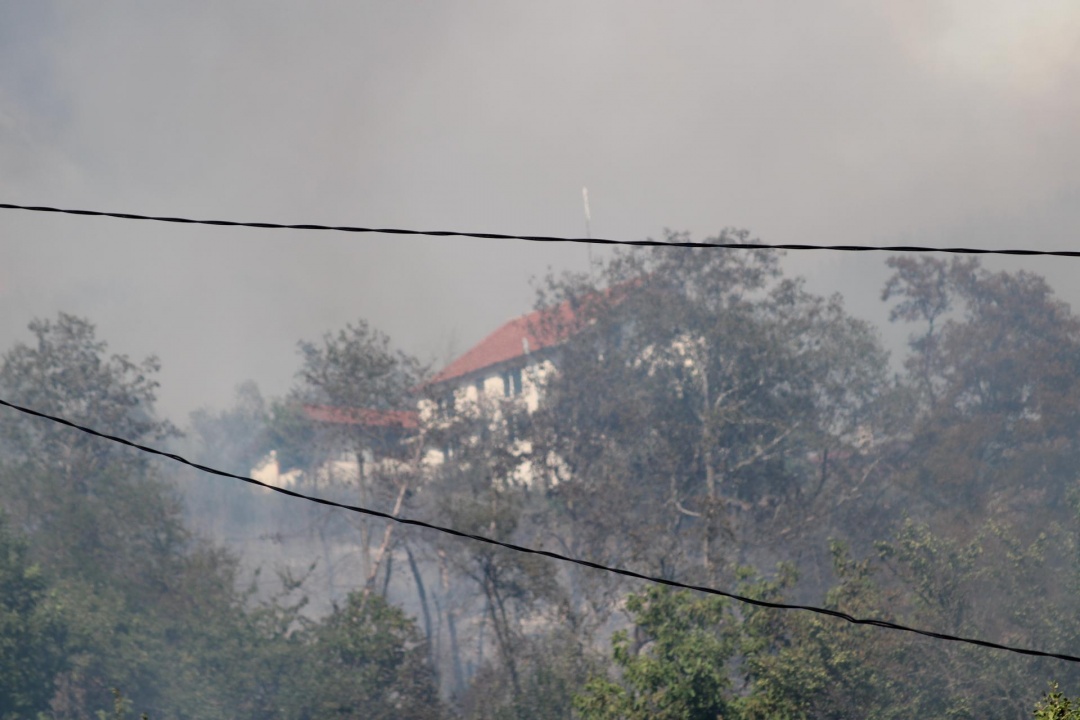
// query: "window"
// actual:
[[512, 382]]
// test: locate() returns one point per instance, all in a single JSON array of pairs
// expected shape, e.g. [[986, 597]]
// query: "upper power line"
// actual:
[[546, 553], [551, 238]]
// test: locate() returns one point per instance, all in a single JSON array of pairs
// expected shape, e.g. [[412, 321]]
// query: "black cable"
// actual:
[[554, 556], [551, 239]]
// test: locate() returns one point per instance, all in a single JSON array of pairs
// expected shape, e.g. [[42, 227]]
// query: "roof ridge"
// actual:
[[504, 343]]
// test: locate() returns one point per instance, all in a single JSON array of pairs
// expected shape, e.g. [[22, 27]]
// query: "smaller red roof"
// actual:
[[528, 333], [406, 419]]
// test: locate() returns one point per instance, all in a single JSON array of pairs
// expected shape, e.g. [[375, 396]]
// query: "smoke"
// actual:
[[840, 122]]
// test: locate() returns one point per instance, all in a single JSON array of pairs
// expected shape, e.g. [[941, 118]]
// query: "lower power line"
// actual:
[[545, 553]]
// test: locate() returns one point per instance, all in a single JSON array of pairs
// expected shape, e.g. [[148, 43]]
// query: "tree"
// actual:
[[33, 633], [675, 667], [799, 665], [237, 440], [366, 659], [356, 371], [68, 373], [690, 398], [1057, 706], [475, 491], [357, 368], [802, 665], [139, 603], [148, 608], [92, 509], [997, 368], [553, 669]]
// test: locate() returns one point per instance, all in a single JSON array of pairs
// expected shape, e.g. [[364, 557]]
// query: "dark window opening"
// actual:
[[512, 382]]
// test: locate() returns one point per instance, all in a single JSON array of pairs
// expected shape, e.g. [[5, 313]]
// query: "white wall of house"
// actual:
[[342, 470], [485, 390], [487, 393], [269, 471]]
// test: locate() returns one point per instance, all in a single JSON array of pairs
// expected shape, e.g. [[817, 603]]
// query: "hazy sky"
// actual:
[[836, 121]]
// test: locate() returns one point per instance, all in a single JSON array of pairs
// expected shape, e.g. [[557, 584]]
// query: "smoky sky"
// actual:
[[950, 122]]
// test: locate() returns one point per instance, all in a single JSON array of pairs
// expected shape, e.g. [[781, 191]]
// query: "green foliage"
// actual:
[[764, 663], [357, 368], [553, 668], [1057, 706], [703, 419], [33, 631], [675, 667], [997, 368], [801, 665], [67, 372], [688, 398], [138, 603], [366, 659]]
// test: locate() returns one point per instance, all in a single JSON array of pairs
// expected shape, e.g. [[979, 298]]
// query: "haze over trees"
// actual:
[[709, 420]]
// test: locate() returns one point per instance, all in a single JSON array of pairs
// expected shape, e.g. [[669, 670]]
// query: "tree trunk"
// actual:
[[389, 570], [329, 563], [365, 532], [709, 511], [387, 536], [451, 624], [455, 652], [422, 595], [501, 625]]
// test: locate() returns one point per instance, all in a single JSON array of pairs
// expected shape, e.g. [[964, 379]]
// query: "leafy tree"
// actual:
[[355, 370], [680, 428], [293, 436], [366, 659], [33, 632], [148, 608], [92, 509], [676, 665], [801, 665], [67, 372], [553, 668], [994, 585], [997, 366], [237, 440], [475, 492], [1057, 706]]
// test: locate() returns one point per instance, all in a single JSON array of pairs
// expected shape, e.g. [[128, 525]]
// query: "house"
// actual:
[[497, 381], [507, 366]]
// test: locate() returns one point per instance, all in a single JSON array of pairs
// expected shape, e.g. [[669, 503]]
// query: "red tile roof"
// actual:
[[406, 419], [509, 341]]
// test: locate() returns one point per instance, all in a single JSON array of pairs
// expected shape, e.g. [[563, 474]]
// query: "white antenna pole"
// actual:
[[588, 215]]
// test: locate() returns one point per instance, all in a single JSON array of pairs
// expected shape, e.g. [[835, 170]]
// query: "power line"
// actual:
[[545, 553], [550, 238]]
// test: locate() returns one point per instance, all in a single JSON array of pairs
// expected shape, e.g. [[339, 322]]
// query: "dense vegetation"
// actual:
[[710, 421]]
